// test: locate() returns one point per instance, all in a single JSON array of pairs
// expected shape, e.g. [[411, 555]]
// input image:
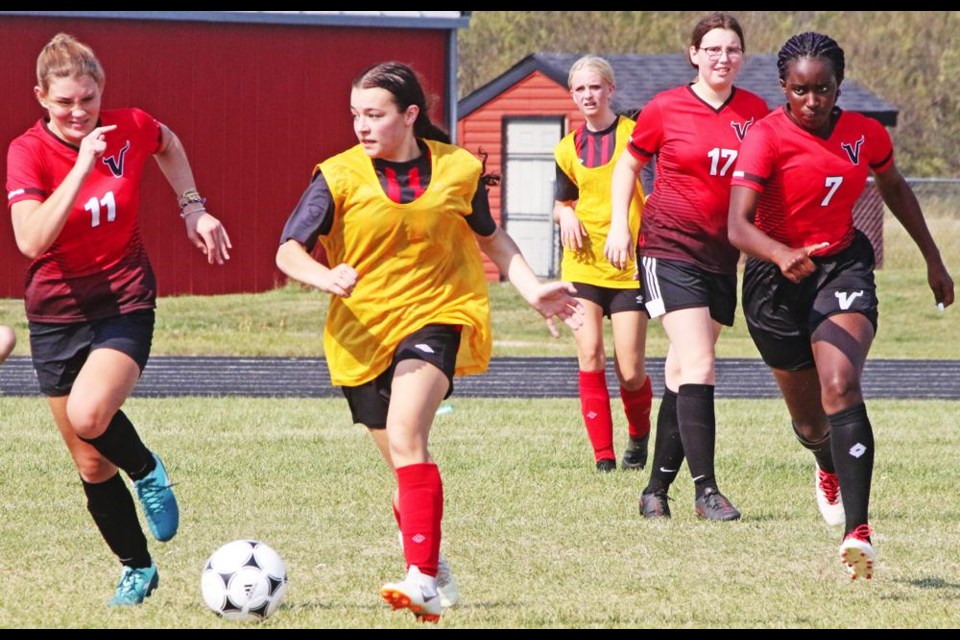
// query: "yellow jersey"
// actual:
[[417, 263], [588, 264]]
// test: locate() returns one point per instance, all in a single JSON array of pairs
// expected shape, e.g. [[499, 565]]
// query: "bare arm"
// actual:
[[795, 264], [902, 201], [36, 225], [620, 248], [294, 260], [571, 229], [204, 231], [549, 299]]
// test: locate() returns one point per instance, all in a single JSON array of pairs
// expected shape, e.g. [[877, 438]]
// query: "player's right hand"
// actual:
[[340, 280]]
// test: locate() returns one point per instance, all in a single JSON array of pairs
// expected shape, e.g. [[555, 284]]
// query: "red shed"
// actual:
[[257, 97], [518, 118]]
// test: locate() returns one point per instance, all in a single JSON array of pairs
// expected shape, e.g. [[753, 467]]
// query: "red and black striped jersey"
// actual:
[[97, 267], [808, 185], [685, 218]]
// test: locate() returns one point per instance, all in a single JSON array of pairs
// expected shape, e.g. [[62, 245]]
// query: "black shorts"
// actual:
[[782, 315], [609, 299], [435, 343], [670, 285], [60, 350]]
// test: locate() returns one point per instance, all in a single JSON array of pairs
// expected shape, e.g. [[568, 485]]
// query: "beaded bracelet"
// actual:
[[184, 214], [190, 196]]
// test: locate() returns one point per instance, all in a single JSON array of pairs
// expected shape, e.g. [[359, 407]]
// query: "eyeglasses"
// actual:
[[714, 53]]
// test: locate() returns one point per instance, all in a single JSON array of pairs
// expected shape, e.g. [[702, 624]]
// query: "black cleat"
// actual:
[[712, 505], [606, 465], [635, 457], [654, 505]]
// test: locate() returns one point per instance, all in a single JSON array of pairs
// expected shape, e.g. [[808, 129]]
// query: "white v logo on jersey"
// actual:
[[846, 299]]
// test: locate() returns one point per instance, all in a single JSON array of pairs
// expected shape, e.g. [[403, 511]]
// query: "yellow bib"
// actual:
[[588, 264], [417, 264]]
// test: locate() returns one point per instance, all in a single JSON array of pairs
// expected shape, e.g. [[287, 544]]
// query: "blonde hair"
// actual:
[[592, 63], [66, 57]]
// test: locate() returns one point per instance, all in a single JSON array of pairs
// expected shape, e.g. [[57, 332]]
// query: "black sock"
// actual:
[[852, 443], [667, 448], [112, 508], [121, 445], [698, 431], [821, 450]]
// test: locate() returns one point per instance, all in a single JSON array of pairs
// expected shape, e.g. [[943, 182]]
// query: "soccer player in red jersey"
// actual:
[[401, 215], [73, 188], [585, 161], [687, 265], [808, 290]]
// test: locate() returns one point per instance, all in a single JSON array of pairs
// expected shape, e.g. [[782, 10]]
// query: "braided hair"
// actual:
[[401, 81], [811, 45]]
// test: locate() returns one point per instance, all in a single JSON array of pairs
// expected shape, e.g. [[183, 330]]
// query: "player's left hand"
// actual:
[[555, 300], [208, 234], [940, 283]]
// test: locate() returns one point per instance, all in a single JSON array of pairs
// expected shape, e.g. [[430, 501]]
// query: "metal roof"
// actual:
[[641, 76], [389, 19]]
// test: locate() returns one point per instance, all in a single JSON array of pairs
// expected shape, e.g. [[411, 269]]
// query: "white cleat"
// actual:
[[828, 496], [858, 554], [417, 592]]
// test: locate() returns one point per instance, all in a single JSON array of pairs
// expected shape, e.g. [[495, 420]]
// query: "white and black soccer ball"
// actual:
[[244, 580]]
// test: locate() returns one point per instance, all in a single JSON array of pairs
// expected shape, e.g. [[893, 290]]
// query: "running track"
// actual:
[[167, 376]]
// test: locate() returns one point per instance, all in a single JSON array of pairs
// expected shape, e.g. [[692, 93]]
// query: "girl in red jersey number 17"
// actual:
[[73, 184], [809, 294]]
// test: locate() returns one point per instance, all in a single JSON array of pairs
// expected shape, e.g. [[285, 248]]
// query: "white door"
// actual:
[[529, 178]]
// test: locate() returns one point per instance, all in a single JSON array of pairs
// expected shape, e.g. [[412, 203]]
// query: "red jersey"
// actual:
[[685, 218], [808, 186], [97, 267]]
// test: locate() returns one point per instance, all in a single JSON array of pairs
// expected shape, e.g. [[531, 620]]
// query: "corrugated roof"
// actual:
[[389, 19], [642, 76]]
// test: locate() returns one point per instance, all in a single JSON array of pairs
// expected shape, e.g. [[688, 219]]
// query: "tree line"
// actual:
[[908, 58]]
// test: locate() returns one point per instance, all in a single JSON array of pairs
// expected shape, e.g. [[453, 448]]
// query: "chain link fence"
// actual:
[[940, 200]]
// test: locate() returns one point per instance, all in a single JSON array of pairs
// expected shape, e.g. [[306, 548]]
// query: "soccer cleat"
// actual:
[[446, 584], [858, 554], [635, 457], [606, 465], [135, 585], [159, 503], [828, 497], [654, 504], [712, 505], [416, 592]]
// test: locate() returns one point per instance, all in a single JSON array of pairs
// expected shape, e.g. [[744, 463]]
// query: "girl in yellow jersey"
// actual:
[[400, 216], [585, 161]]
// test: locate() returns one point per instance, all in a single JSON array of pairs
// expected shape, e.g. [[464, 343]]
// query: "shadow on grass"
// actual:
[[933, 583]]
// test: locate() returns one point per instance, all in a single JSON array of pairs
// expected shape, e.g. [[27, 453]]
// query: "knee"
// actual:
[[406, 448], [812, 431], [86, 421], [839, 392], [591, 358], [93, 467], [631, 379]]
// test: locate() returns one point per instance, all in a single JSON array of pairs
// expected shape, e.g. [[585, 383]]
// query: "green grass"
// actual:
[[289, 322], [536, 538]]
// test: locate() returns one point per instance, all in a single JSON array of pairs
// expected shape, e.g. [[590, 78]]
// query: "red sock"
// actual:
[[395, 503], [636, 404], [421, 509], [595, 407]]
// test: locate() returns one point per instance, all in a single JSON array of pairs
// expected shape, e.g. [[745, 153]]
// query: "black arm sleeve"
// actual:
[[481, 220], [564, 190], [313, 216]]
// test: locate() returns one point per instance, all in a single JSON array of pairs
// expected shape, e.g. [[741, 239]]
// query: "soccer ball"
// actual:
[[244, 580]]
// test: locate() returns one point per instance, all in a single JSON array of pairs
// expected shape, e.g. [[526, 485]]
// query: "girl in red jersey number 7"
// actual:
[[73, 184], [808, 288], [400, 216]]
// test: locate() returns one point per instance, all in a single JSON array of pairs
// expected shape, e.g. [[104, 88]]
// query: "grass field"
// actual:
[[536, 538]]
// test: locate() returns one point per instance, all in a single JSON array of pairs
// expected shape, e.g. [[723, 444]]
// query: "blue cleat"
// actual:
[[135, 585], [159, 503]]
